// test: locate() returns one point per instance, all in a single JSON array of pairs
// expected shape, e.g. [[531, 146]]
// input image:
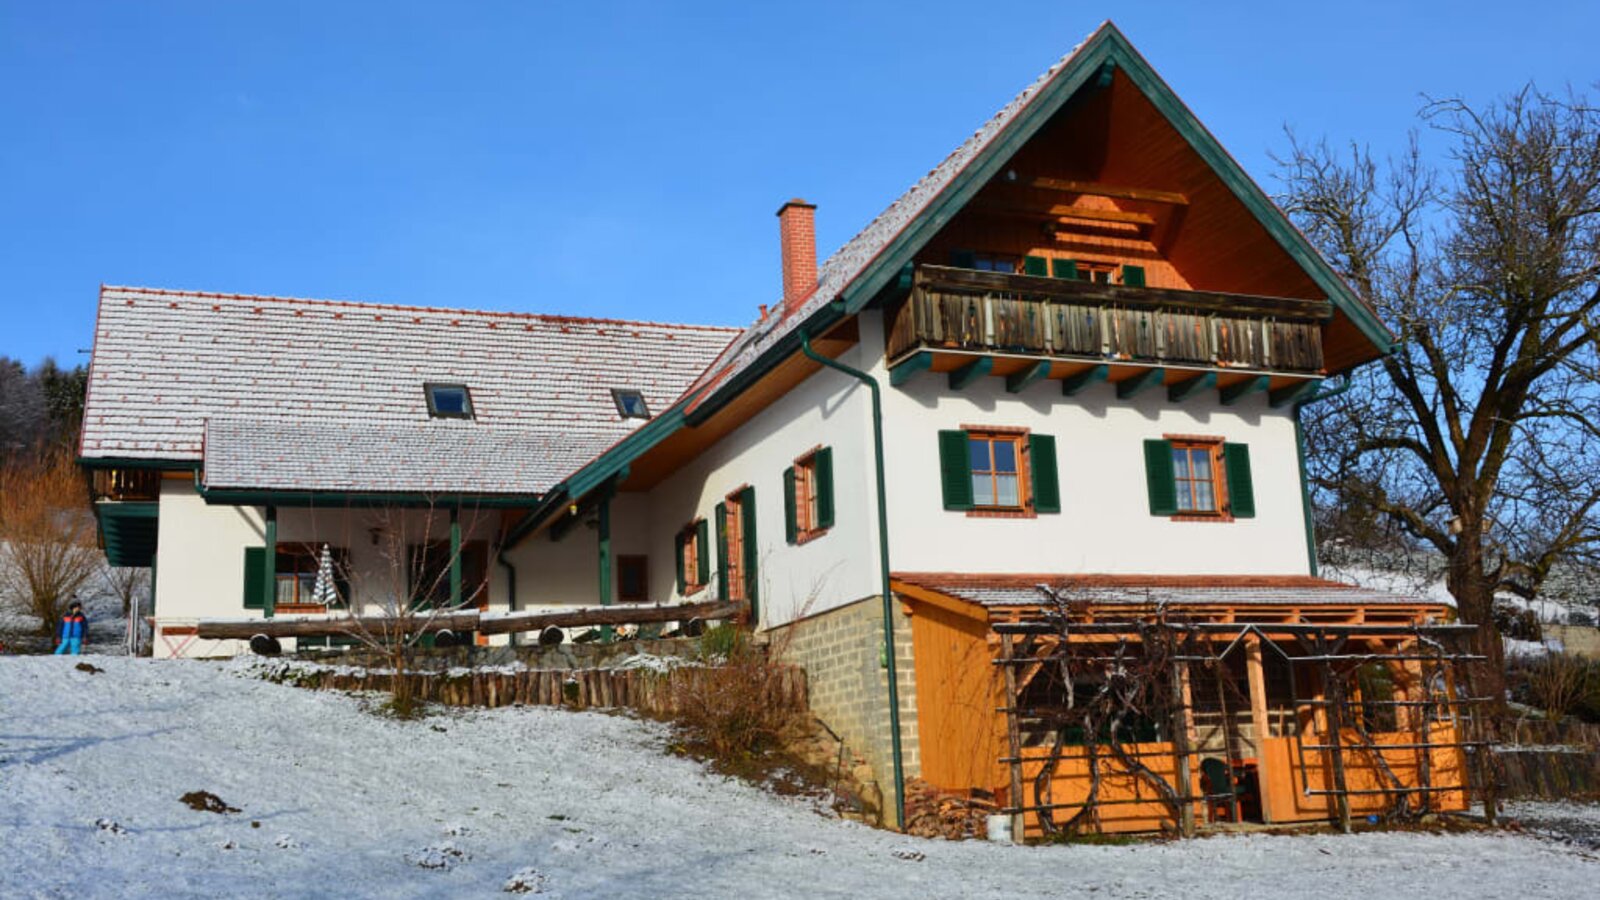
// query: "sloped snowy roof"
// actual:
[[318, 373], [1243, 590]]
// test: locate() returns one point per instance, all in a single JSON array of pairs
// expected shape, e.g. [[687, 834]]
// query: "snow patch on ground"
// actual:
[[339, 802]]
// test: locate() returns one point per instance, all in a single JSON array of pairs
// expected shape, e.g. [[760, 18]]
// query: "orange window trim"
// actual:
[[805, 496], [1219, 482], [734, 525], [1018, 438], [691, 558]]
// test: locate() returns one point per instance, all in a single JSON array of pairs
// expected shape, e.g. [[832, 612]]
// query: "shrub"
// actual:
[[740, 705], [1559, 683]]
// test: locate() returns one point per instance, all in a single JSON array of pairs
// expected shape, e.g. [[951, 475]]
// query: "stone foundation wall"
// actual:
[[848, 684]]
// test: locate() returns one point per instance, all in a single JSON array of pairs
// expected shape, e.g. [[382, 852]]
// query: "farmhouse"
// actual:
[[1017, 471]]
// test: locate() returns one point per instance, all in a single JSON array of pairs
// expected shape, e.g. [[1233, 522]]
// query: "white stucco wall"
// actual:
[[1104, 525], [841, 566]]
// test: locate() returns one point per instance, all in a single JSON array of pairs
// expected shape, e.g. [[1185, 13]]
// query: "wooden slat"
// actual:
[[1146, 195], [935, 278]]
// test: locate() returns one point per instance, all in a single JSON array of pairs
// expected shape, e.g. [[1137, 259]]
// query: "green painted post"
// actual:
[[607, 633], [269, 596], [455, 557]]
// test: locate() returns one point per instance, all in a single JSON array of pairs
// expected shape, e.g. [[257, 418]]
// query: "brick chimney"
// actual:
[[797, 236]]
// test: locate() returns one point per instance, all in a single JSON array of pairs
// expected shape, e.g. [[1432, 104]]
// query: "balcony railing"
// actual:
[[127, 484], [998, 312]]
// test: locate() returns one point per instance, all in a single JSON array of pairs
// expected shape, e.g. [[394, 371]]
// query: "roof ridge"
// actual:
[[367, 305]]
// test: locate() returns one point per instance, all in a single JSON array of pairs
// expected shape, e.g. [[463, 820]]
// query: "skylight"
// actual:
[[448, 401], [630, 403]]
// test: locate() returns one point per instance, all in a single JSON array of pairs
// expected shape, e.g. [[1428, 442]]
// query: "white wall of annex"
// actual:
[[1104, 525], [827, 409]]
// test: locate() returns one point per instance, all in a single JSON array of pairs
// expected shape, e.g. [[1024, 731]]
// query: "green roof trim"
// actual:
[[349, 498]]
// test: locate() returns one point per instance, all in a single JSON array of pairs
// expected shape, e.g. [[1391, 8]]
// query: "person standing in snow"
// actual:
[[74, 627]]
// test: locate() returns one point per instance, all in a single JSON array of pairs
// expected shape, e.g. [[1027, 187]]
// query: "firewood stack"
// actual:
[[954, 815]]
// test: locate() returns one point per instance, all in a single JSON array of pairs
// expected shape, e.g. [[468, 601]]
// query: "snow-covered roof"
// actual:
[[306, 392], [1174, 590]]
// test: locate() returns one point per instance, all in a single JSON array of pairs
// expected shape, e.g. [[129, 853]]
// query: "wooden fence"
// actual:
[[652, 693]]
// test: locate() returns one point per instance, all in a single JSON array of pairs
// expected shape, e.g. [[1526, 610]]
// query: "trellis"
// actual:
[[1144, 664]]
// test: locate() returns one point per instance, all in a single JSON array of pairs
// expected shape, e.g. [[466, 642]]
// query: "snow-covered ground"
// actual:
[[92, 767]]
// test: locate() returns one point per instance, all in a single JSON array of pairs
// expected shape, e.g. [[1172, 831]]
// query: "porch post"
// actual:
[[1259, 722], [455, 557], [604, 558], [1180, 746], [269, 596]]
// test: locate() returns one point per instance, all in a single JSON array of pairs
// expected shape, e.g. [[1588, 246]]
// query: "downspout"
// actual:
[[883, 558], [1305, 485]]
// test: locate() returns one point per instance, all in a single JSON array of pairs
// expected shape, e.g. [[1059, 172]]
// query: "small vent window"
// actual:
[[449, 401], [630, 404]]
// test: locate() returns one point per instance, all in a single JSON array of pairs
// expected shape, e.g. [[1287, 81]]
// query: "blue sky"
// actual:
[[608, 159]]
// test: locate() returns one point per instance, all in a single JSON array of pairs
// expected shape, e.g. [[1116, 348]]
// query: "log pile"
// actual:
[[953, 815], [650, 693]]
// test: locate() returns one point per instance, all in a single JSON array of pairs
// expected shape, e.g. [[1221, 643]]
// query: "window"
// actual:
[[1194, 468], [449, 401], [297, 569], [1199, 477], [996, 470], [694, 564], [429, 577], [988, 262], [992, 471], [630, 403], [633, 579], [808, 496], [737, 577]]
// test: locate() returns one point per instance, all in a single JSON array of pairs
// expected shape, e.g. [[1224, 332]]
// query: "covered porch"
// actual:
[[1136, 705]]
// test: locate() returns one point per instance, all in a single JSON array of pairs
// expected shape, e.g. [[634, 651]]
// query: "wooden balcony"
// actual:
[[124, 485], [968, 313]]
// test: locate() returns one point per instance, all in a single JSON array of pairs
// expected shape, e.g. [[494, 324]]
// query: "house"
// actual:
[[1017, 472]]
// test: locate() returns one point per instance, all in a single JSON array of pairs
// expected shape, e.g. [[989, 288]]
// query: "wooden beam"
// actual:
[[907, 369], [1017, 381], [1071, 212], [1073, 385], [1128, 388], [1097, 189], [972, 371], [1292, 393], [1260, 724], [1187, 388], [466, 620], [1233, 393]]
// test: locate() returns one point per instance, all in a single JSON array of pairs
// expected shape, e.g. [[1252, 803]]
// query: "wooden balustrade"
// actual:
[[127, 484], [1028, 315]]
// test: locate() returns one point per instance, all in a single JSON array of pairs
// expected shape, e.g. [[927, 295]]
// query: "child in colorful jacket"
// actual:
[[74, 627]]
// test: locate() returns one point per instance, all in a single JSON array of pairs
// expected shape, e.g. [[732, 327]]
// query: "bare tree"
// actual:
[[47, 535], [1479, 438], [127, 585], [402, 583]]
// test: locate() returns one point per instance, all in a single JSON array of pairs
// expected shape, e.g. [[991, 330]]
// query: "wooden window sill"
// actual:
[[1202, 517], [806, 537], [1002, 514], [689, 590]]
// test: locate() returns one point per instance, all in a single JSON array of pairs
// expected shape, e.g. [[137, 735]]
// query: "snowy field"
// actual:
[[583, 804]]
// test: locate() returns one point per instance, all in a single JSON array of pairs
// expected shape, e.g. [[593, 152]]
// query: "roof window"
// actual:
[[448, 401], [630, 403]]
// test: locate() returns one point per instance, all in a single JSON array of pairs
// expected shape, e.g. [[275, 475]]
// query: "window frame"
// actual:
[[297, 554], [733, 544], [692, 553], [807, 511], [1018, 438], [619, 394], [428, 389], [1212, 445]]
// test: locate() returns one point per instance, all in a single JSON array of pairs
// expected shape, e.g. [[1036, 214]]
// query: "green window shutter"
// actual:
[[752, 553], [824, 473], [1133, 276], [963, 259], [722, 551], [1064, 268], [1035, 265], [1241, 489], [1046, 479], [702, 552], [1160, 478], [677, 551], [255, 575], [791, 525], [955, 466]]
